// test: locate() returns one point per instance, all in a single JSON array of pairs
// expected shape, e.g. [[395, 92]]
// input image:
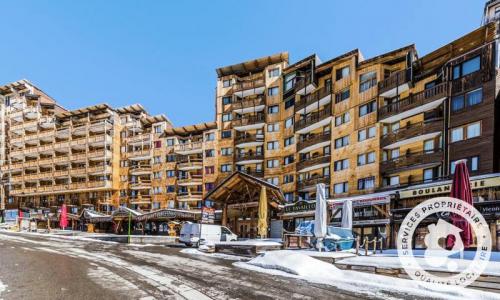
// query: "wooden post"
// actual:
[[366, 246], [224, 215], [375, 246], [357, 245]]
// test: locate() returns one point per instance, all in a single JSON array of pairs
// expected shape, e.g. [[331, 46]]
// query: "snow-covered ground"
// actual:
[[469, 255], [252, 243], [3, 287], [380, 261], [299, 265], [193, 251]]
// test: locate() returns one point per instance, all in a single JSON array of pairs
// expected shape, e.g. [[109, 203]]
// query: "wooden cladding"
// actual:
[[313, 97], [248, 138], [318, 160], [412, 130], [311, 182], [411, 159], [249, 120], [396, 79], [314, 117], [313, 139]]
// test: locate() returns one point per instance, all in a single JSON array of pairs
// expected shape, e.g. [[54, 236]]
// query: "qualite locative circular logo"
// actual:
[[436, 256]]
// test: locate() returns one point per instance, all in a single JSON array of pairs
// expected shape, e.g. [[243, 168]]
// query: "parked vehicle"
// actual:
[[337, 238], [191, 236]]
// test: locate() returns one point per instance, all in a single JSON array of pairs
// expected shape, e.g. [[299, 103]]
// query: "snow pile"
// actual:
[[3, 287], [301, 266], [192, 251], [252, 243]]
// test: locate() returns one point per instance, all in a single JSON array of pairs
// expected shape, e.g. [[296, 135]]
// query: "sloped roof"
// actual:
[[252, 66]]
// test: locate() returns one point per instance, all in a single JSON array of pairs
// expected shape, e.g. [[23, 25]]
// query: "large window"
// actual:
[[273, 127], [289, 81], [273, 91], [273, 163], [227, 117], [469, 99], [342, 95], [226, 168], [467, 67], [367, 81], [226, 134], [366, 183], [367, 108], [226, 151], [274, 145], [366, 133], [340, 165], [340, 188], [342, 73], [273, 109], [227, 100], [274, 72], [342, 142], [466, 132], [342, 119], [227, 83], [366, 158], [472, 164]]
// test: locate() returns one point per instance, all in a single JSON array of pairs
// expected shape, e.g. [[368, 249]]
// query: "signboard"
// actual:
[[300, 206], [11, 215], [446, 188], [368, 201], [207, 215]]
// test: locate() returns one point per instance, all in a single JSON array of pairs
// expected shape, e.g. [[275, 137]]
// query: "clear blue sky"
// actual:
[[163, 54]]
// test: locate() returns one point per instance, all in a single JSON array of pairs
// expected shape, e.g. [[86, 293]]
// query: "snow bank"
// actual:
[[3, 287], [192, 251], [252, 243], [300, 266], [493, 267]]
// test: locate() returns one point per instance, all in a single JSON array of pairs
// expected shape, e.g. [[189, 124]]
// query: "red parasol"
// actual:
[[460, 189], [63, 222]]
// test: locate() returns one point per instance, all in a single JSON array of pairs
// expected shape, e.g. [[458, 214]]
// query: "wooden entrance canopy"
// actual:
[[243, 190]]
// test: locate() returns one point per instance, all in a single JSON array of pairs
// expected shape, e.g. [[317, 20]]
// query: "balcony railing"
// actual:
[[467, 82], [249, 120], [311, 182], [314, 117], [193, 163], [247, 85], [313, 97], [313, 139], [319, 160], [245, 103], [192, 146], [249, 156], [248, 138], [398, 78], [193, 179], [411, 130], [414, 100], [255, 173], [412, 159], [303, 82]]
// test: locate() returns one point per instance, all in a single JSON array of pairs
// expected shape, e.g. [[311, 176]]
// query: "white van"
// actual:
[[190, 234]]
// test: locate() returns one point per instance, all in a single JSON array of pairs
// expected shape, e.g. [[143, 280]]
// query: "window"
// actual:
[[428, 174], [366, 158], [342, 73], [273, 109], [340, 165], [289, 141], [209, 186], [273, 127], [227, 100], [367, 108], [170, 188], [170, 158], [466, 132], [226, 134], [209, 137], [157, 160], [210, 153], [226, 151], [367, 80], [273, 180], [273, 91], [342, 95], [342, 119], [158, 129], [210, 170], [226, 168], [273, 163], [170, 142], [288, 197], [472, 164], [288, 178], [289, 81], [274, 72], [394, 180], [340, 188], [366, 183], [289, 122], [429, 146], [170, 173], [227, 117], [288, 159], [366, 133], [342, 142], [469, 99], [227, 83], [157, 175], [467, 67], [274, 145], [289, 103], [157, 144]]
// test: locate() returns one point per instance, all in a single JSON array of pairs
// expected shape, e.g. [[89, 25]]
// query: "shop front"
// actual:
[[294, 213], [370, 217], [486, 199]]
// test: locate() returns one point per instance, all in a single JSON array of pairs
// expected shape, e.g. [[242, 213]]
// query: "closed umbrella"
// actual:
[[320, 215], [262, 224], [347, 214], [63, 221], [461, 189]]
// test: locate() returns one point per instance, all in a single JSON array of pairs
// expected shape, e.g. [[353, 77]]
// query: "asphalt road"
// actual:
[[33, 267]]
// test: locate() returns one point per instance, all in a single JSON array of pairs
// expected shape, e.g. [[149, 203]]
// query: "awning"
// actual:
[[168, 214], [364, 200]]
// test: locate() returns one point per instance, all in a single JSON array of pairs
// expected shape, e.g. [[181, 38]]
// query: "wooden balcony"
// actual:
[[394, 81], [249, 120], [314, 117], [411, 159], [255, 173], [411, 131], [190, 147], [248, 138], [189, 196], [248, 85], [313, 97], [413, 101], [190, 180], [313, 139], [319, 160], [311, 182], [249, 156], [190, 164], [468, 82], [246, 103]]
